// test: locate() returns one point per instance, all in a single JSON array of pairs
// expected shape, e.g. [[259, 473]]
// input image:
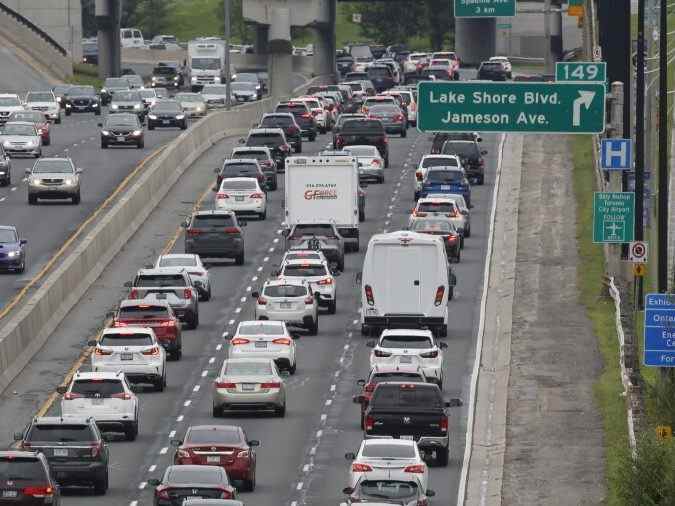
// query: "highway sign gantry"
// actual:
[[446, 106], [616, 154], [659, 330], [613, 217], [484, 8]]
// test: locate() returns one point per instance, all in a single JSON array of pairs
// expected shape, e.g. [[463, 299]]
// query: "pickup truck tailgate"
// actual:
[[401, 424]]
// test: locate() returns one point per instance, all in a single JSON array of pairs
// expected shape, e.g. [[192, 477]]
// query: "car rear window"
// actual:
[[228, 184], [285, 291], [396, 376], [408, 395], [64, 433], [465, 149], [318, 230], [248, 368], [205, 475], [264, 329], [239, 168], [143, 311], [384, 109], [212, 221], [292, 108], [126, 339], [21, 469], [435, 207], [435, 161], [276, 121], [388, 451], [360, 125], [305, 270], [444, 176], [97, 387], [302, 256], [159, 280], [164, 71], [416, 342], [178, 262], [379, 72], [211, 436], [492, 66], [265, 140], [258, 155]]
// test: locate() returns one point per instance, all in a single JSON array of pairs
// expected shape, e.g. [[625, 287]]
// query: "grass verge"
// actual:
[[86, 74], [600, 310]]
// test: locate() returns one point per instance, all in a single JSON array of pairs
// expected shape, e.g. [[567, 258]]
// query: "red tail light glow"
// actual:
[[444, 424], [96, 449], [221, 384], [282, 340], [123, 395], [369, 422], [256, 195], [309, 300], [417, 469], [193, 232], [399, 117], [262, 301], [419, 176], [270, 385], [361, 468], [222, 196], [162, 492], [440, 291], [133, 294], [243, 454], [325, 281], [239, 340], [369, 295], [231, 230], [101, 352], [154, 351], [370, 387], [69, 396], [187, 293], [38, 491]]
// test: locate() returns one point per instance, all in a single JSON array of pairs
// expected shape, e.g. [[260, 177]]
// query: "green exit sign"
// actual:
[[613, 217], [464, 106], [484, 8], [581, 71], [575, 2]]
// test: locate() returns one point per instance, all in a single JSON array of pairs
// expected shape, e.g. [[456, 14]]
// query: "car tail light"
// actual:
[[270, 385], [231, 230], [96, 449], [384, 139], [429, 354], [325, 281], [452, 214], [162, 492], [285, 147], [256, 195], [122, 395], [444, 424], [421, 214], [262, 301], [417, 469], [183, 454], [222, 196], [38, 491], [306, 115], [239, 340], [369, 295], [361, 468], [380, 353], [282, 340], [440, 291], [243, 454], [226, 493], [168, 323], [69, 396], [101, 352], [369, 422], [193, 232], [375, 162], [154, 351], [309, 300], [120, 324], [423, 502], [452, 238], [370, 387], [293, 130], [481, 162], [187, 293], [339, 141], [419, 176], [222, 384], [133, 294], [399, 117]]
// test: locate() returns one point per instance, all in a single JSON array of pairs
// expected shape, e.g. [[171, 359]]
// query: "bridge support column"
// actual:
[[280, 53], [475, 39], [262, 33], [108, 14], [324, 45]]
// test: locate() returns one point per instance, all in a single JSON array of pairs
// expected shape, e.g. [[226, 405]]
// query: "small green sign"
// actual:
[[581, 71], [575, 2], [465, 106], [613, 217], [484, 8]]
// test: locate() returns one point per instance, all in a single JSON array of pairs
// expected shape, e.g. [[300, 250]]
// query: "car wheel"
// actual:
[[177, 354], [239, 259], [104, 145], [22, 267], [404, 133], [249, 485], [58, 120], [481, 180], [382, 180], [386, 163], [458, 256], [362, 216], [314, 327], [207, 296], [293, 368], [461, 242], [356, 246], [451, 293], [442, 457], [160, 383], [47, 142], [183, 125], [101, 485], [332, 307], [263, 215], [131, 431], [365, 330], [467, 232], [68, 112], [76, 199], [32, 200], [298, 147], [312, 137], [97, 112], [216, 412], [141, 144], [280, 411], [341, 264]]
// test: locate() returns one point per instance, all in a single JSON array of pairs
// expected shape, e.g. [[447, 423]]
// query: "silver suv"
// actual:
[[53, 178], [288, 300], [45, 102]]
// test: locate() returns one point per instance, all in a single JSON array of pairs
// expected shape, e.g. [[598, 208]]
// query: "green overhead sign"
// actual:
[[446, 106], [484, 8], [613, 217]]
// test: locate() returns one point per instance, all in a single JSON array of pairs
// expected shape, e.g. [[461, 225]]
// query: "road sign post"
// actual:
[[485, 8], [613, 217], [659, 330], [637, 252], [616, 154], [446, 106]]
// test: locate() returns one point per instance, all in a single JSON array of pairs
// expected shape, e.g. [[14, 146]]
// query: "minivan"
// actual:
[[131, 37]]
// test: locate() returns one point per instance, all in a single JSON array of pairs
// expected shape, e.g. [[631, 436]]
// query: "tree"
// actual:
[[150, 16], [440, 22], [390, 22]]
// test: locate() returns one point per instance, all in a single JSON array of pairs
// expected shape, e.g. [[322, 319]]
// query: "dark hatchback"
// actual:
[[273, 138], [183, 482], [286, 121], [369, 132], [12, 250], [303, 117], [82, 99], [122, 130], [492, 71], [239, 167], [215, 234], [167, 113], [25, 480], [381, 77], [471, 157]]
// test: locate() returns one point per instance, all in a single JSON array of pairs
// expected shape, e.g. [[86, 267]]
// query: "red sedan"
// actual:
[[38, 119], [225, 446]]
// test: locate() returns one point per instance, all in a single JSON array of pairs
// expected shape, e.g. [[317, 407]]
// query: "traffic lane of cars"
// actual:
[[331, 473], [280, 451], [47, 225]]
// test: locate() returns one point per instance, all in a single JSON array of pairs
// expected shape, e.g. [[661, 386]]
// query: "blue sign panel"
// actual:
[[616, 154], [659, 337]]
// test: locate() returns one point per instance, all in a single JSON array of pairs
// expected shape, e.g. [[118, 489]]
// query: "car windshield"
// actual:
[[276, 121], [212, 221], [117, 120], [126, 339], [435, 207], [305, 270], [491, 66], [62, 433], [436, 161], [237, 168], [82, 90], [345, 117], [285, 291], [53, 166], [206, 63], [272, 140], [362, 124], [258, 155], [97, 387], [463, 149], [228, 184], [444, 176], [248, 369], [143, 311], [171, 107], [164, 70], [213, 436], [263, 329], [147, 93], [407, 395], [320, 230], [292, 108], [202, 474], [32, 116], [160, 280], [438, 73], [388, 451], [11, 129], [21, 469], [126, 96], [246, 78], [387, 489], [411, 342], [186, 97], [178, 261], [363, 151], [7, 236], [39, 97], [437, 227], [214, 90], [116, 82], [410, 377]]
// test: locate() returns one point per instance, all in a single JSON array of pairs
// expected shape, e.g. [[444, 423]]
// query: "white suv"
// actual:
[[45, 102], [264, 339], [132, 350], [9, 103], [105, 396], [317, 275], [288, 300], [396, 345]]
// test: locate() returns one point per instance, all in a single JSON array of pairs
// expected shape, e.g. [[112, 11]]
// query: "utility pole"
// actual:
[[663, 152], [547, 35], [228, 75], [639, 142]]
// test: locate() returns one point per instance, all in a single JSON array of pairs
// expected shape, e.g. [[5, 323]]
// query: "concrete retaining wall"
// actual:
[[45, 54], [28, 329]]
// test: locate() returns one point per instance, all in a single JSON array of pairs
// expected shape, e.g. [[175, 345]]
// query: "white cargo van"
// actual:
[[206, 62], [323, 189], [406, 283], [131, 37]]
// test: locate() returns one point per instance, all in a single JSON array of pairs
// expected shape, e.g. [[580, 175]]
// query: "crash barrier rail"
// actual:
[[30, 326], [35, 42]]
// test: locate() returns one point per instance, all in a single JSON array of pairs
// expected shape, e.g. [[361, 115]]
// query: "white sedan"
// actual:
[[265, 339], [194, 267], [317, 275], [242, 195], [406, 346], [388, 459]]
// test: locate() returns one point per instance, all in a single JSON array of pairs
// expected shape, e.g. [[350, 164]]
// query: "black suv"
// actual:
[[25, 479], [381, 77], [303, 116], [492, 71], [122, 130], [285, 121], [441, 137], [82, 99], [76, 451], [166, 75], [239, 167], [167, 113], [363, 131], [273, 138], [345, 64], [471, 157], [5, 168]]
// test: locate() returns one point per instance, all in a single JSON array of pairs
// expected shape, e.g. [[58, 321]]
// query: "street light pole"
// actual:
[[639, 141], [663, 152], [228, 34]]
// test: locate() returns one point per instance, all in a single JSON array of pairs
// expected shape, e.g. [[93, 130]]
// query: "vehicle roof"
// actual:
[[232, 161], [51, 158], [248, 360], [304, 261], [402, 235], [442, 155], [448, 168], [285, 281], [389, 442], [239, 179], [126, 330], [26, 123], [179, 255], [55, 420], [434, 199], [406, 332], [161, 270], [84, 375], [254, 131], [139, 302], [9, 95], [228, 428], [214, 212], [247, 149], [285, 114], [8, 227]]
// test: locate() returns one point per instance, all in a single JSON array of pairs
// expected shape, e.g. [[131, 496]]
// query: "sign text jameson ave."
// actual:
[[511, 107]]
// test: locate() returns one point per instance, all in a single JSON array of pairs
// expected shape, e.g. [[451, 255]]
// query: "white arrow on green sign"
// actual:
[[448, 106]]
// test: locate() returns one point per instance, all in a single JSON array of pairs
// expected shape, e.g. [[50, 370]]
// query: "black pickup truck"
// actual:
[[414, 411], [471, 156], [363, 131]]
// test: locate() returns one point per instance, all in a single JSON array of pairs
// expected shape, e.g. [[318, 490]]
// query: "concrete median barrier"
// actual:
[[30, 325]]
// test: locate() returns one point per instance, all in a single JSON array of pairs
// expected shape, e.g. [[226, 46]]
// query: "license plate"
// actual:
[[213, 459], [127, 356], [410, 438], [446, 187], [165, 122], [96, 401], [9, 493], [239, 198], [60, 452], [285, 305], [405, 360], [261, 344], [190, 497], [248, 387], [120, 139]]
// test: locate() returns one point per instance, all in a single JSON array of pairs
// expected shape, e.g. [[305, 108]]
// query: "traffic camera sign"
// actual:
[[446, 106], [613, 217], [637, 252], [616, 154]]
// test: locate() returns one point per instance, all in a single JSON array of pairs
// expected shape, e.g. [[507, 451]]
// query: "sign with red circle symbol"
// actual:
[[637, 252]]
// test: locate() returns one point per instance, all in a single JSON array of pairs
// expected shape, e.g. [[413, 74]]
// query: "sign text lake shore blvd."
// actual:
[[511, 107]]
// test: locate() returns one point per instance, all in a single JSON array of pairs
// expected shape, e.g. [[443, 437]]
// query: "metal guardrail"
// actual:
[[27, 22]]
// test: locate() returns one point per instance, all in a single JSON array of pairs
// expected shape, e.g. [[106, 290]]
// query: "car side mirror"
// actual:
[[216, 170], [184, 224], [128, 284], [18, 436], [254, 443], [243, 223], [155, 482], [110, 314], [371, 344], [350, 456], [347, 490], [242, 141], [255, 295], [361, 382], [23, 242], [61, 389], [92, 342], [442, 346], [430, 493], [454, 403], [357, 399], [106, 437], [176, 442], [484, 152]]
